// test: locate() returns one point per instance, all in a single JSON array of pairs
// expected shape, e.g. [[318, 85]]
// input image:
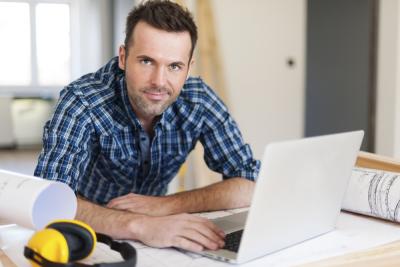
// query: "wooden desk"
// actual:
[[383, 256]]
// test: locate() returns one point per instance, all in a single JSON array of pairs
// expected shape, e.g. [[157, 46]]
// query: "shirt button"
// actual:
[[146, 162]]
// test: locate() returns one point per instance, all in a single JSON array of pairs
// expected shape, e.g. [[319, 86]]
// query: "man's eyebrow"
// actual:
[[144, 57], [179, 63]]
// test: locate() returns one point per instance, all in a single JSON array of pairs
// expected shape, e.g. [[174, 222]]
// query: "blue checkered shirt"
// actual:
[[93, 140]]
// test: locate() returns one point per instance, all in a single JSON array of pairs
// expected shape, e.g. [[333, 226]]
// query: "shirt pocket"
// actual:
[[177, 145], [118, 153], [171, 164]]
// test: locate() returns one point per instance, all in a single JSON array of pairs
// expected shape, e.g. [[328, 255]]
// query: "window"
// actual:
[[35, 47]]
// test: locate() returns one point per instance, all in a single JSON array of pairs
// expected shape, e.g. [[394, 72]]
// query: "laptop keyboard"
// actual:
[[232, 241]]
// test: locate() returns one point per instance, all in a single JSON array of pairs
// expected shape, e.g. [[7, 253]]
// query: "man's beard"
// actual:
[[148, 108]]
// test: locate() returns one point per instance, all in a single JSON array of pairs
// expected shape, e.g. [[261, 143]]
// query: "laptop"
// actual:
[[298, 196]]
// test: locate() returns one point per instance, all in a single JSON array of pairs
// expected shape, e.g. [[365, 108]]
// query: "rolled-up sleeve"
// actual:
[[225, 151], [66, 155]]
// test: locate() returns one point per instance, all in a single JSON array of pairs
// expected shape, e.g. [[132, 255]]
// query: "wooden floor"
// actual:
[[19, 160]]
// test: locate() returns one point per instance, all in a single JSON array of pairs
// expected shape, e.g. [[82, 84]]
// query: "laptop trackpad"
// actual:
[[232, 222]]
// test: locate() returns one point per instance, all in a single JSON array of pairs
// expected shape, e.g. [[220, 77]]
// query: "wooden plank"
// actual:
[[209, 61], [374, 161], [382, 256]]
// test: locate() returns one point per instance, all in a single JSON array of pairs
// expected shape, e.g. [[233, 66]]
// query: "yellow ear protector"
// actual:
[[63, 242]]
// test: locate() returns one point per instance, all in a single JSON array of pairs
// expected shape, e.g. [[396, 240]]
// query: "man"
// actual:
[[119, 135]]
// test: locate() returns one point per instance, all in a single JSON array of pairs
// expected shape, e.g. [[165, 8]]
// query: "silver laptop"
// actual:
[[298, 196]]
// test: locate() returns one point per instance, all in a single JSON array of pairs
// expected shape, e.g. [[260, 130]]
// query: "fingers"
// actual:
[[211, 226], [187, 244], [210, 234], [148, 205], [124, 205], [200, 231], [206, 241], [121, 201], [185, 231]]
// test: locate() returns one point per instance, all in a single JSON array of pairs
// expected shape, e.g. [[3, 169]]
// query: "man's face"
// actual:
[[156, 68]]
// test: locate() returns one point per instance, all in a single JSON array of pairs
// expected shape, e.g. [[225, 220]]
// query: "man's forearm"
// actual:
[[228, 194], [116, 223]]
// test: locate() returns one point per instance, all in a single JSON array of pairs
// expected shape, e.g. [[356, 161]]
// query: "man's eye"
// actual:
[[145, 61], [175, 67]]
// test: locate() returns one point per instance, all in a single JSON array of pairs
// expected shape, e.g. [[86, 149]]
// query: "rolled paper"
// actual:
[[34, 202]]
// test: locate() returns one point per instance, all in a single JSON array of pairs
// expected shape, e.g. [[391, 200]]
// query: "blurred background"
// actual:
[[285, 68]]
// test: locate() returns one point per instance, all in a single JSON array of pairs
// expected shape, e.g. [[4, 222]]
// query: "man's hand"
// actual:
[[186, 231], [149, 205]]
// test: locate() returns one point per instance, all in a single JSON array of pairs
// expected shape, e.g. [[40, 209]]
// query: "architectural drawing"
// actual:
[[374, 193]]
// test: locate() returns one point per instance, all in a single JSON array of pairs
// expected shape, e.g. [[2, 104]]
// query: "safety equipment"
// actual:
[[63, 242]]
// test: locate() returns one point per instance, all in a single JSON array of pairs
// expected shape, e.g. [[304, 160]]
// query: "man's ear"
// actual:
[[121, 57]]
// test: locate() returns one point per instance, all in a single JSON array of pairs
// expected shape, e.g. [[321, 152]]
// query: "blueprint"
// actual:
[[375, 193]]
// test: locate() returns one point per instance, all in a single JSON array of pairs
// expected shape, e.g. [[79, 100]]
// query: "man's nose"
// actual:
[[159, 77]]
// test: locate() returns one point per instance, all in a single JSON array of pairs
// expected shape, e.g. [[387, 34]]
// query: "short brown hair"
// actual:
[[164, 15]]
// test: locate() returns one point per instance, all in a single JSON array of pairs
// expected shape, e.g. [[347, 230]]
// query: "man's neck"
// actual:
[[148, 123]]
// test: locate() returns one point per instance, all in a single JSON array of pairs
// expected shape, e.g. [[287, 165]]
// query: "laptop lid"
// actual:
[[299, 192]]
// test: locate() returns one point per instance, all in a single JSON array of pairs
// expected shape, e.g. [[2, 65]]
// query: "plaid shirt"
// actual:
[[93, 141]]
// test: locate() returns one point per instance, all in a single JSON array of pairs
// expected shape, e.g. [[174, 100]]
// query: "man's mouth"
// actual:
[[156, 95]]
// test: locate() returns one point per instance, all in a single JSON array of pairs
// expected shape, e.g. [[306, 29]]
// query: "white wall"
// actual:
[[256, 38], [121, 11], [92, 46], [388, 80]]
